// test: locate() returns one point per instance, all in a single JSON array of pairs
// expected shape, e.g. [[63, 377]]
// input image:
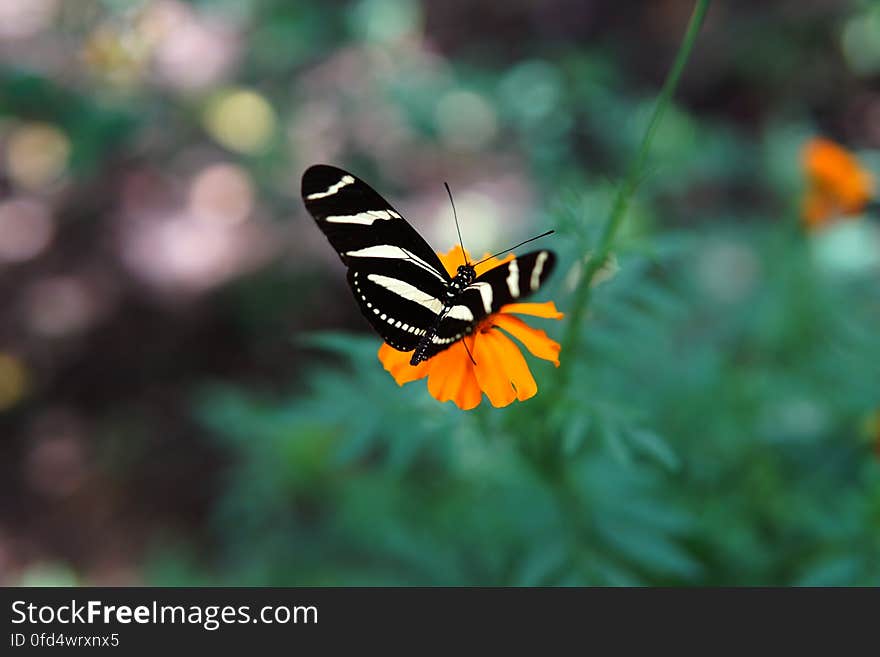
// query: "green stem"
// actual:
[[625, 192]]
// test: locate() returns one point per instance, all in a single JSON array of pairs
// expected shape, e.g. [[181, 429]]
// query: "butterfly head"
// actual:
[[464, 276], [466, 272]]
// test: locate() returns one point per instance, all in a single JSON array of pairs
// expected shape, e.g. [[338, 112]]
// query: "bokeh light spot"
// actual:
[[13, 381], [55, 464], [727, 271], [544, 83], [49, 574], [860, 41], [470, 204], [848, 248], [25, 229], [222, 193], [37, 155], [59, 306], [465, 120], [385, 20], [24, 18], [183, 37], [241, 120]]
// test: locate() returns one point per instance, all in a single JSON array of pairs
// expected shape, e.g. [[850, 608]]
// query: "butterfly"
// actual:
[[399, 282]]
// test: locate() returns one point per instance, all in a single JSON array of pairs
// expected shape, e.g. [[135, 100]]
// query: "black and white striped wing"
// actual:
[[397, 279], [512, 281]]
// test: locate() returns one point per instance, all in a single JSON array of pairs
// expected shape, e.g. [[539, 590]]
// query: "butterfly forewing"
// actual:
[[360, 224], [395, 276]]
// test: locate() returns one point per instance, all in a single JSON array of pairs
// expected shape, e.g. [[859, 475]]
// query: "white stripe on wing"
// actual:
[[486, 294], [461, 312], [396, 252], [367, 218], [332, 189], [513, 278], [407, 291], [535, 280]]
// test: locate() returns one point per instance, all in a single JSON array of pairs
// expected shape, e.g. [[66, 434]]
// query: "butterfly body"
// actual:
[[401, 285], [464, 276]]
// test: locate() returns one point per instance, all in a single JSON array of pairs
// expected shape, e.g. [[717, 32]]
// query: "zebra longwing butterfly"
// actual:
[[402, 287]]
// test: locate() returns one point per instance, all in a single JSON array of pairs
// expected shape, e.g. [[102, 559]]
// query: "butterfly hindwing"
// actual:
[[396, 277], [399, 311], [507, 283]]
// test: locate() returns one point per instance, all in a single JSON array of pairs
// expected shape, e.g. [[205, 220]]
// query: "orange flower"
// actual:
[[837, 185], [501, 370]]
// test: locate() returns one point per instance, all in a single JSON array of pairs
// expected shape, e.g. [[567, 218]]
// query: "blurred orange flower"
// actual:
[[837, 185], [501, 370]]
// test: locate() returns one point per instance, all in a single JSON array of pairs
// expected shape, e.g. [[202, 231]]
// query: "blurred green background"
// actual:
[[188, 395]]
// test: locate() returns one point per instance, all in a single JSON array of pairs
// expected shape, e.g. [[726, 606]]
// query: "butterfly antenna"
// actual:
[[531, 239], [458, 230]]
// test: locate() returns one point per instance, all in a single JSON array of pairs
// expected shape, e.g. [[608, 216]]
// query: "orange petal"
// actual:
[[453, 258], [515, 367], [469, 395], [545, 309], [397, 364], [452, 378], [491, 262], [517, 370], [489, 369], [501, 369], [535, 340]]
